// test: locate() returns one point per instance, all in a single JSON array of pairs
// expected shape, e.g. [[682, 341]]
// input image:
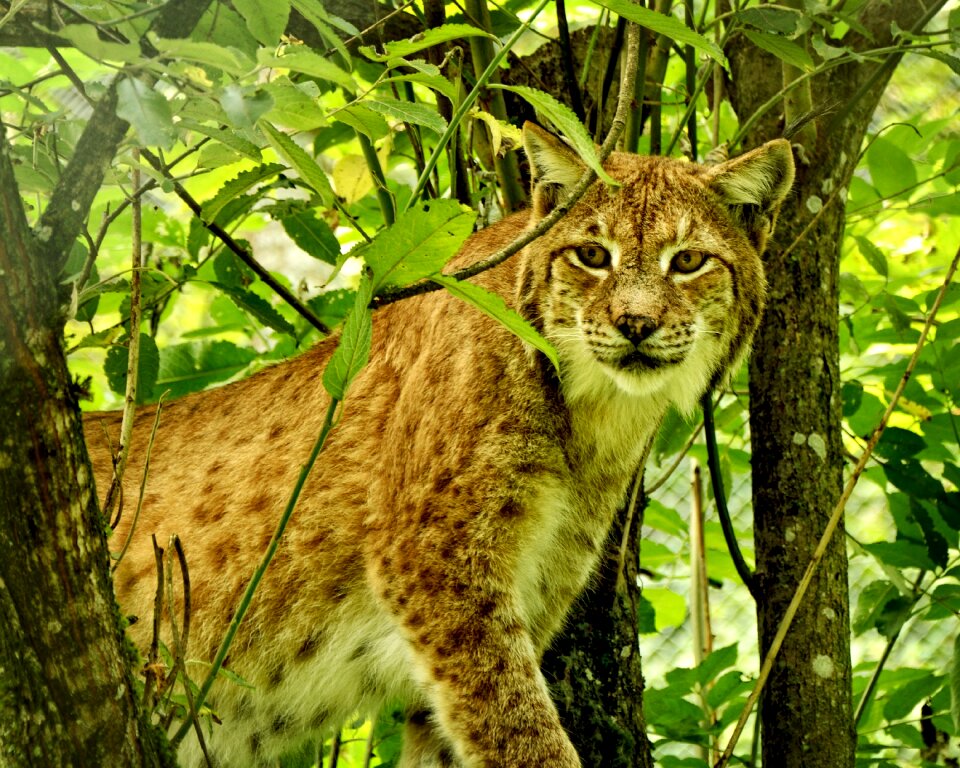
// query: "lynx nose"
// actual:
[[636, 328]]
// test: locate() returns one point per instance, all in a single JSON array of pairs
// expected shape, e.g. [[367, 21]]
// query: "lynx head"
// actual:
[[654, 287]]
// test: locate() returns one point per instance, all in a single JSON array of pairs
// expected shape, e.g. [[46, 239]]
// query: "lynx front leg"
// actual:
[[475, 659]]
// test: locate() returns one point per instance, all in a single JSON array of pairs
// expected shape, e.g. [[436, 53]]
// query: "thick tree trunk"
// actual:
[[66, 690], [795, 416], [594, 666]]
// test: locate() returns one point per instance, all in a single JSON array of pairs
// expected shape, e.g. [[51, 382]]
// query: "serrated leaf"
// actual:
[[86, 39], [266, 21], [874, 256], [428, 39], [244, 110], [665, 25], [300, 161], [314, 12], [309, 63], [783, 49], [148, 363], [190, 367], [353, 351], [332, 306], [231, 271], [563, 119], [872, 604], [311, 234], [363, 120], [295, 105], [237, 186], [436, 83], [351, 178], [419, 244], [225, 136], [222, 57], [408, 112], [784, 21], [259, 307], [493, 305], [147, 111]]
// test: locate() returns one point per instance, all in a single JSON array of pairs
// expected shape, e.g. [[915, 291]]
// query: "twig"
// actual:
[[242, 253], [586, 181], [150, 668], [832, 524], [133, 347]]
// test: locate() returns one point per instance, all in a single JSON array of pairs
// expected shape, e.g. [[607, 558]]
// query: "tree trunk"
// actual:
[[66, 690], [795, 406], [594, 666]]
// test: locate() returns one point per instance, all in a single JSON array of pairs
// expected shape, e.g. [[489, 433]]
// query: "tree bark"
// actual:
[[66, 690], [594, 667], [795, 405]]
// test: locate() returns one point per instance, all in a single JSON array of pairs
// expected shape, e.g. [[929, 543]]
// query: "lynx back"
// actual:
[[460, 505]]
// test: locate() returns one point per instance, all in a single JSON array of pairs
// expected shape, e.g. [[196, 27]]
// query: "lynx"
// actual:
[[462, 501]]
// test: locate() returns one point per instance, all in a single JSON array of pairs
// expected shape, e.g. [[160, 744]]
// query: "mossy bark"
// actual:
[[795, 404], [594, 668]]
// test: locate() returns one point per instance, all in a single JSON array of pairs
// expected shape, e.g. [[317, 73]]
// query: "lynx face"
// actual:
[[654, 288]]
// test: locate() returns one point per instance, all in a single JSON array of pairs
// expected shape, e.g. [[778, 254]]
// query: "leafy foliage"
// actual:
[[268, 134]]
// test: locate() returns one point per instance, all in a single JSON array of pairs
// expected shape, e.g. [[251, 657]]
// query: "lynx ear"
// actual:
[[555, 167], [753, 186]]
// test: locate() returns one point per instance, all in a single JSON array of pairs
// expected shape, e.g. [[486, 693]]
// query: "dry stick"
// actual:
[[588, 178], [821, 549], [133, 349]]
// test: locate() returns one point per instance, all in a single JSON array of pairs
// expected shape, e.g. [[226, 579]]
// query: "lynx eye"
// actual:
[[594, 256], [687, 262]]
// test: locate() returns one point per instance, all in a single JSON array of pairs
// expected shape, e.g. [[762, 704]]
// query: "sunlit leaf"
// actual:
[[353, 349], [299, 59], [428, 39], [408, 112], [147, 111], [236, 186], [784, 49], [363, 120], [299, 160], [493, 305], [266, 21], [148, 363]]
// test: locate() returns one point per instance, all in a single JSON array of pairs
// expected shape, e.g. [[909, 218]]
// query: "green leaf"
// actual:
[[311, 233], [874, 256], [955, 683], [314, 12], [911, 478], [665, 25], [901, 702], [428, 39], [148, 363], [408, 112], [353, 351], [872, 604], [299, 160], [951, 61], [242, 109], [225, 136], [891, 169], [231, 271], [718, 660], [190, 367], [783, 21], [86, 39], [899, 443], [851, 394], [332, 306], [363, 120], [563, 119], [437, 83], [419, 244], [147, 111], [237, 186], [309, 63], [901, 554], [783, 49], [493, 305], [267, 21], [221, 57], [259, 307], [295, 105], [937, 546]]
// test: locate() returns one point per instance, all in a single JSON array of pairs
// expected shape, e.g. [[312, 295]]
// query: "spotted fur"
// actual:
[[461, 504]]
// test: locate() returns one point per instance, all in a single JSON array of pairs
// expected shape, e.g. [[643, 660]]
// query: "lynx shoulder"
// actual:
[[461, 503]]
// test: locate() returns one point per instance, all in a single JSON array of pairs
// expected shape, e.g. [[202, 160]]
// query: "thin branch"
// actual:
[[832, 524], [586, 181], [242, 253]]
